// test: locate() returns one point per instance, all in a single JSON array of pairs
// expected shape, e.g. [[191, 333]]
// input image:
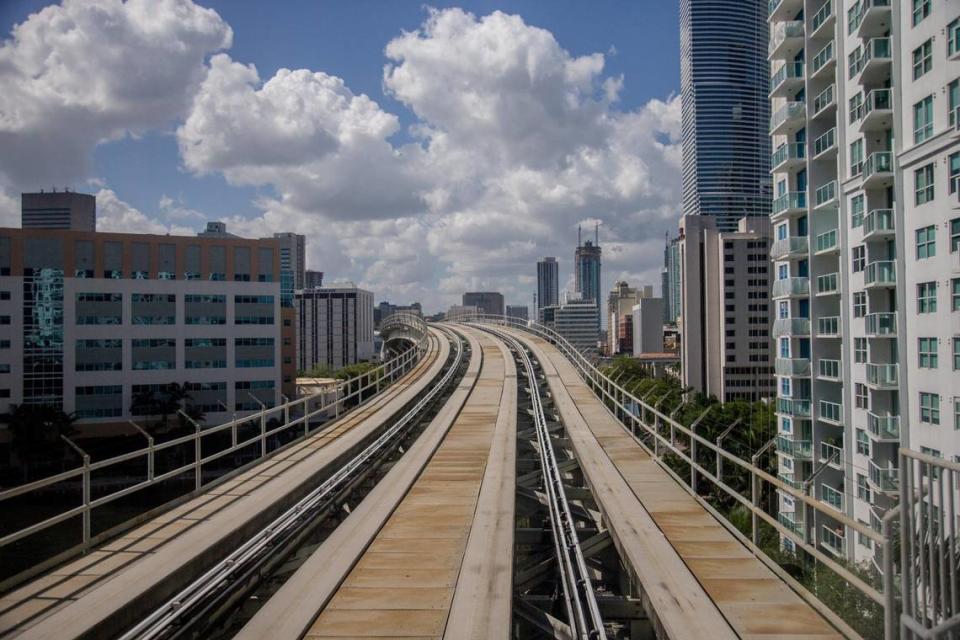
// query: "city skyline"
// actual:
[[155, 167]]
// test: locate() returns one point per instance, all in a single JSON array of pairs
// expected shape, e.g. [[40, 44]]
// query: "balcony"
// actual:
[[875, 63], [884, 479], [791, 288], [794, 327], [799, 449], [829, 369], [883, 376], [828, 327], [874, 18], [885, 428], [790, 247], [825, 145], [792, 366], [881, 325], [877, 110], [826, 196], [833, 542], [831, 454], [831, 496], [790, 520], [789, 118], [881, 274], [787, 80], [793, 407], [831, 412], [827, 242], [828, 284], [779, 10], [879, 223], [789, 205], [788, 156], [823, 21], [878, 170], [825, 102], [787, 478], [824, 62], [786, 39]]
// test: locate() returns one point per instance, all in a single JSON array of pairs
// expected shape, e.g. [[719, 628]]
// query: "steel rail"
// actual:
[[218, 578], [583, 612]]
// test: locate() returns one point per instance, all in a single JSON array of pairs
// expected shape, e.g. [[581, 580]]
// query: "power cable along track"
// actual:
[[189, 608]]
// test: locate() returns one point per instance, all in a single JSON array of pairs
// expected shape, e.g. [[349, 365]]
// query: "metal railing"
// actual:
[[292, 414]]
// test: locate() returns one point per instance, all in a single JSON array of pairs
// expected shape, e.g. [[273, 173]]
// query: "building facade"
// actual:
[[575, 320], [312, 279], [94, 321], [293, 257], [518, 311], [488, 302], [725, 317], [647, 319], [548, 282], [671, 289], [867, 230], [723, 78], [58, 210], [334, 326], [620, 302]]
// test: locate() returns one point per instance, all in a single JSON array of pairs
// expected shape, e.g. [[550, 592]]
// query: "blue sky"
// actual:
[[639, 40]]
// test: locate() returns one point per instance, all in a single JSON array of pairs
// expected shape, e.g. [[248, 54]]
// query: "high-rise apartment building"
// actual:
[[647, 330], [725, 315], [620, 303], [670, 288], [334, 326], [548, 282], [518, 311], [587, 271], [867, 242], [93, 323], [723, 78], [488, 302], [58, 210], [312, 279], [293, 256]]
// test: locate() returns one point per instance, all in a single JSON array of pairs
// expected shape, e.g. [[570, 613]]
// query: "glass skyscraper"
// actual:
[[724, 79]]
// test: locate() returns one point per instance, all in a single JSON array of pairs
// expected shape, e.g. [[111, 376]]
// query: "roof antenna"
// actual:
[[579, 235], [597, 236]]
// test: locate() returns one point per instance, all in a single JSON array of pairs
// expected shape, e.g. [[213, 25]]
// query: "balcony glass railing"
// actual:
[[828, 326], [831, 496], [821, 16], [791, 287], [787, 478], [789, 111], [878, 100], [823, 56], [884, 478], [789, 71], [828, 283], [827, 241], [831, 411], [792, 366], [833, 541], [878, 162], [791, 407], [784, 30], [825, 142], [831, 453], [826, 194], [773, 5], [791, 246], [876, 49], [883, 272], [791, 151], [878, 222], [885, 427], [881, 324], [796, 327], [793, 200], [823, 100], [789, 520], [802, 449], [829, 369], [886, 376]]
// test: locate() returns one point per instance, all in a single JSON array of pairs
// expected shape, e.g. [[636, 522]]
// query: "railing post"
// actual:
[[150, 450], [890, 606], [197, 466], [755, 500], [286, 410], [85, 490], [263, 424]]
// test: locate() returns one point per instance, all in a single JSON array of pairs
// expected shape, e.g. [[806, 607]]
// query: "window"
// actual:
[[930, 408], [953, 166], [863, 488], [927, 353], [863, 442], [956, 354], [922, 59], [923, 184], [921, 9], [861, 400], [856, 158], [859, 258], [956, 420], [784, 347], [859, 304], [856, 102], [926, 242], [955, 294], [927, 297], [856, 211], [859, 349], [955, 235], [953, 101], [923, 120]]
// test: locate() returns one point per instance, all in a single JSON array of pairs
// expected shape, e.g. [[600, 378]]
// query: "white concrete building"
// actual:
[[647, 317], [620, 303], [575, 320], [867, 243], [334, 326]]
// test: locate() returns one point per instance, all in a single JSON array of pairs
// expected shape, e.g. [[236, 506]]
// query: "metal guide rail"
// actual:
[[583, 612], [203, 594]]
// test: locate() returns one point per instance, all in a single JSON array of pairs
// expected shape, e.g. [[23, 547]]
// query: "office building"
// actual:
[[518, 311], [58, 210], [548, 282], [334, 326], [867, 229], [587, 267], [575, 320], [620, 302], [671, 290], [293, 256], [725, 111], [384, 310], [216, 229], [487, 302], [312, 279], [647, 319], [95, 322], [725, 316]]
